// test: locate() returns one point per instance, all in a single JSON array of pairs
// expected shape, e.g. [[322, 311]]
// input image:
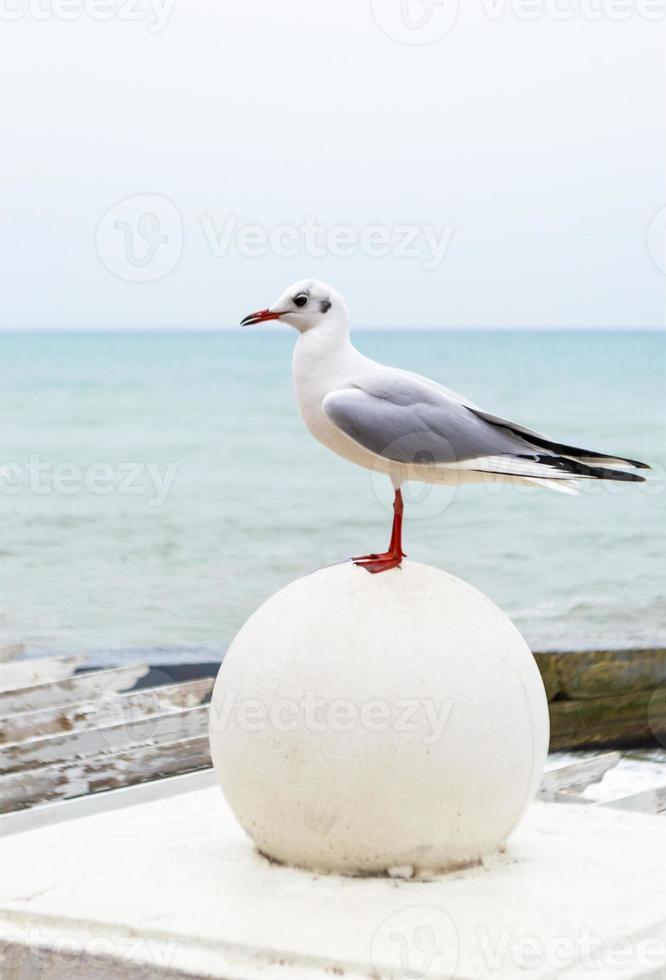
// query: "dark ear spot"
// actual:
[[325, 305]]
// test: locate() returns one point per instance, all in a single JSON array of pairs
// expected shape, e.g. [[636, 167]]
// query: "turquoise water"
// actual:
[[98, 558]]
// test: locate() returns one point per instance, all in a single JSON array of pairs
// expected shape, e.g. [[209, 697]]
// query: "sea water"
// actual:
[[156, 487]]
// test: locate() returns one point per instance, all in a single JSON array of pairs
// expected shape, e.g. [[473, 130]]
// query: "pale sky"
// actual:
[[508, 172]]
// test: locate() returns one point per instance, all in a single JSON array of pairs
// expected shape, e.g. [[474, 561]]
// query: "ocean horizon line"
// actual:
[[181, 330]]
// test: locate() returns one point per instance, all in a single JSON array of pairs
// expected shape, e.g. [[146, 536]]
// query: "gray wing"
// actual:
[[412, 420], [409, 421]]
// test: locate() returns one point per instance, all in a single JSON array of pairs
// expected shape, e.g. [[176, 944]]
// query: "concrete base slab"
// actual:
[[173, 888]]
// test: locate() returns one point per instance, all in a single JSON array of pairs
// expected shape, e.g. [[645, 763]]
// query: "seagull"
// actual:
[[409, 427]]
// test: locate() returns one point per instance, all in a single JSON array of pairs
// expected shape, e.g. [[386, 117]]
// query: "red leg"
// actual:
[[393, 557]]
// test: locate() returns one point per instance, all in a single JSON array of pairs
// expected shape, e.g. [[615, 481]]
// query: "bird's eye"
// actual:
[[301, 299]]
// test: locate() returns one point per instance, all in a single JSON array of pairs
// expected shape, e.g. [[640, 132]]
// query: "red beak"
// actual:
[[259, 317]]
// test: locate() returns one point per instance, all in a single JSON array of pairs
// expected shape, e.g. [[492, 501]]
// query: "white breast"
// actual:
[[323, 362]]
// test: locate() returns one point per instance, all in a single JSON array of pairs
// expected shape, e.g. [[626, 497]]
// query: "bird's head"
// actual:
[[306, 305]]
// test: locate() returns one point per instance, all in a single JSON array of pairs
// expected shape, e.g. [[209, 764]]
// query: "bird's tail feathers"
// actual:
[[561, 486], [581, 470], [546, 469]]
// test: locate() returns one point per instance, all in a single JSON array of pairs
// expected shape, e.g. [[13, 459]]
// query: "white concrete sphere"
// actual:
[[369, 723]]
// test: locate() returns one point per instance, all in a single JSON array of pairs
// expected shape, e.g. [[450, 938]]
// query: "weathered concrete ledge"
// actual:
[[605, 697], [174, 889]]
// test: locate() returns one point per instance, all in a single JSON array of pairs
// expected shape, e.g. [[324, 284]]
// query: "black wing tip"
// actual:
[[608, 473], [602, 473], [602, 459], [572, 452], [573, 467], [636, 463], [632, 477]]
